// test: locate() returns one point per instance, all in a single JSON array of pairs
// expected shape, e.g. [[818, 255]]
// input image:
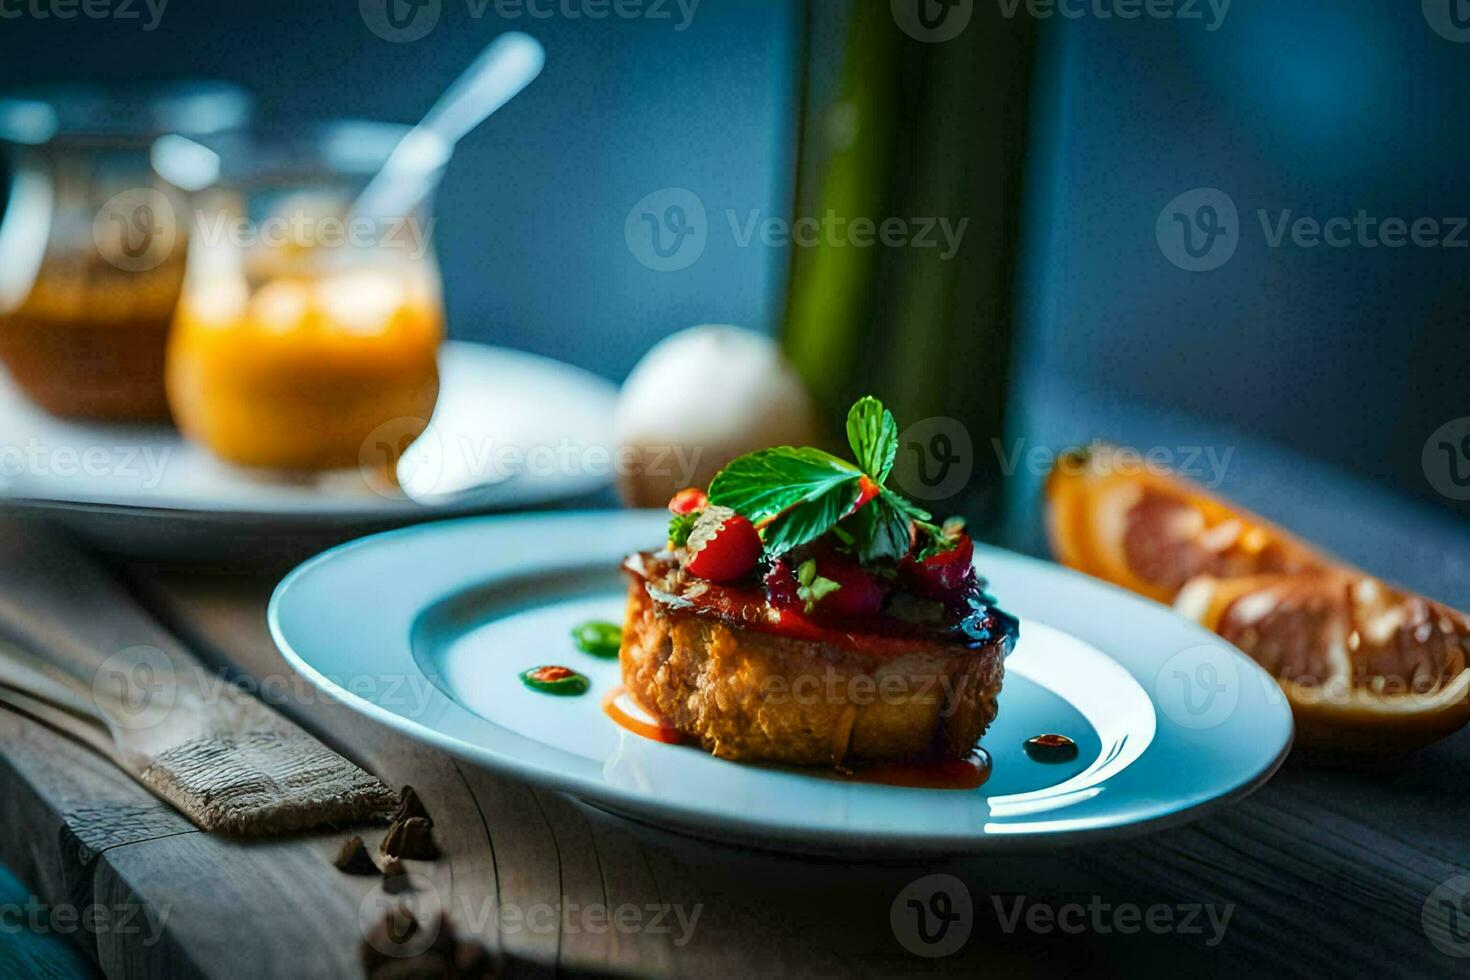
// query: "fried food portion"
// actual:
[[752, 695]]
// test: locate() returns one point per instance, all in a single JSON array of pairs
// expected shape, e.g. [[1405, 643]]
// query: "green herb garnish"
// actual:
[[598, 638], [811, 588], [873, 435], [764, 484], [797, 494], [679, 527]]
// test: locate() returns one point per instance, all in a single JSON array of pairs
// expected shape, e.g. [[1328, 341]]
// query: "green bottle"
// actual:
[[913, 117]]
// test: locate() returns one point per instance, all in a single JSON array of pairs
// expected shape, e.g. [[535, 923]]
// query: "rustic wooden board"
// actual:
[[1322, 867]]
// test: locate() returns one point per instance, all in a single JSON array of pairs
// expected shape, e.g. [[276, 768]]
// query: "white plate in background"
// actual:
[[144, 489]]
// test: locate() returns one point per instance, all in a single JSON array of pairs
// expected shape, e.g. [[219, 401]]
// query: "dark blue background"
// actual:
[[1323, 107], [1320, 106]]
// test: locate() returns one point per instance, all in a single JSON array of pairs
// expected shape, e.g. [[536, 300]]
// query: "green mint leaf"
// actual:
[[796, 495], [906, 507], [813, 587], [873, 435], [881, 531], [763, 484], [811, 517], [679, 527]]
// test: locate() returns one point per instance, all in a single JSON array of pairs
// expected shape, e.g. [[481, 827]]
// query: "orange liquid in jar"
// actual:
[[300, 373], [92, 345]]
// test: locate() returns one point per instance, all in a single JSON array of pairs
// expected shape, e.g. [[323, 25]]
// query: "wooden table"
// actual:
[[1323, 870]]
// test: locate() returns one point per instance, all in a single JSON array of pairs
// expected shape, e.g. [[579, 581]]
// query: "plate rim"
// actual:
[[731, 827], [332, 511]]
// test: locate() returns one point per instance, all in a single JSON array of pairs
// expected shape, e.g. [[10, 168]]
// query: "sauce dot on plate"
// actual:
[[555, 679], [1051, 748]]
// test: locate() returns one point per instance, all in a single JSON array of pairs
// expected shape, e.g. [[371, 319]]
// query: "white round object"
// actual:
[[700, 398]]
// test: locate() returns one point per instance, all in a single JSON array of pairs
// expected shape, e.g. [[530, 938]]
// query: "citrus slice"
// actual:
[[1151, 532], [1365, 666]]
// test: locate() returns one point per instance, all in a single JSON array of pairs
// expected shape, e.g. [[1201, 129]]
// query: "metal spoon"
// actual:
[[508, 64]]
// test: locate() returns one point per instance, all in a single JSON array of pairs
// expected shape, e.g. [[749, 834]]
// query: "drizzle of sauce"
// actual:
[[1051, 748], [968, 773], [555, 680], [627, 713]]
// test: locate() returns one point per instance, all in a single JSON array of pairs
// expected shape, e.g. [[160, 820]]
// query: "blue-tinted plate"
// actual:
[[426, 629]]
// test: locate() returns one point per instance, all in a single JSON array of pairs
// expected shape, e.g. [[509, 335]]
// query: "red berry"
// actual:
[[942, 574], [688, 500], [723, 547], [860, 593], [781, 585]]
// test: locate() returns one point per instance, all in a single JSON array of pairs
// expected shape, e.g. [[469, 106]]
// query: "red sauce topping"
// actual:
[[973, 623], [548, 675]]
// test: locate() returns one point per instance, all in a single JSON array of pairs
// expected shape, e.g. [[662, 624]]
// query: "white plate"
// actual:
[[500, 412], [427, 628]]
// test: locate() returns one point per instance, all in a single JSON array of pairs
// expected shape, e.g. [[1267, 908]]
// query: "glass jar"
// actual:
[[92, 242], [305, 330]]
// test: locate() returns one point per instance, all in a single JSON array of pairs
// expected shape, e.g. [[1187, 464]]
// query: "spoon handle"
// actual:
[[508, 64]]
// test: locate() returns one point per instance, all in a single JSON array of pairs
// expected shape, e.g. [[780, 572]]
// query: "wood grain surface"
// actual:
[[1320, 869]]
